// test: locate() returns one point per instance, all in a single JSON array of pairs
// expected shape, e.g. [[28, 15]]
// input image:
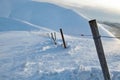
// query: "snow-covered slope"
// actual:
[[7, 5], [29, 56], [28, 53], [51, 16], [7, 24]]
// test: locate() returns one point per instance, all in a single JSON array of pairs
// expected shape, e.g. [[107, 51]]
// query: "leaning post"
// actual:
[[99, 48]]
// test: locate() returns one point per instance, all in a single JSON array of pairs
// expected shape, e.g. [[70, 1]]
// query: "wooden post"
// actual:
[[99, 48], [63, 38]]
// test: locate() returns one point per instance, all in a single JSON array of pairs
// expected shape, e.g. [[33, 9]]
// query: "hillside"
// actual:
[[27, 51], [31, 55], [51, 16], [7, 24]]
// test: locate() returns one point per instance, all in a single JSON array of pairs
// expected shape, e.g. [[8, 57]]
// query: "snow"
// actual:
[[33, 57], [28, 53], [49, 16], [7, 24]]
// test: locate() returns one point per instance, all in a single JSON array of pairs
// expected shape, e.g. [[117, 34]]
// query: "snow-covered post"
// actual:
[[54, 38], [63, 38], [99, 48]]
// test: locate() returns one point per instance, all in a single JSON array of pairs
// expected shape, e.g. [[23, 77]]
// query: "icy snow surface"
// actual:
[[28, 53]]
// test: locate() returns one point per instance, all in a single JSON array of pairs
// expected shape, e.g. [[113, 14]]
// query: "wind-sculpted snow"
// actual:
[[29, 56]]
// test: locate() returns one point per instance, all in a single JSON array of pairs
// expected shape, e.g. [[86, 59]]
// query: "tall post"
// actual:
[[63, 38], [99, 48]]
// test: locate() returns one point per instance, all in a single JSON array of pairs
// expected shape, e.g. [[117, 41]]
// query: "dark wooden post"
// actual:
[[63, 38], [99, 48]]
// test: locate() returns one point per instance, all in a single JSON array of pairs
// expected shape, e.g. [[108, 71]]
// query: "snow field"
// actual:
[[28, 53], [28, 56]]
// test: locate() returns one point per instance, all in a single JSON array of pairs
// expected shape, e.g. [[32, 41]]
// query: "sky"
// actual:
[[103, 10]]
